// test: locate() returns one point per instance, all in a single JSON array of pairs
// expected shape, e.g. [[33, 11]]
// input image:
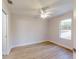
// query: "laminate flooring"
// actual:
[[40, 51]]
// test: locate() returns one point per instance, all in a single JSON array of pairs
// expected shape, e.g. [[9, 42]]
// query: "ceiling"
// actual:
[[33, 7]]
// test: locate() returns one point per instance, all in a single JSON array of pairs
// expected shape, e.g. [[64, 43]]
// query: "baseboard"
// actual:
[[26, 44], [7, 52], [46, 42], [71, 49]]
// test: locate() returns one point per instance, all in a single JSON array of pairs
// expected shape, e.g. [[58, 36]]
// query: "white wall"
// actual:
[[5, 7], [54, 31], [27, 30]]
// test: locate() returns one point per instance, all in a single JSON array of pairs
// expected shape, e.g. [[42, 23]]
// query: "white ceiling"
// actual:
[[33, 7]]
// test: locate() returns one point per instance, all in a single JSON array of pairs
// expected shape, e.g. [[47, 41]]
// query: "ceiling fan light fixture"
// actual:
[[43, 14]]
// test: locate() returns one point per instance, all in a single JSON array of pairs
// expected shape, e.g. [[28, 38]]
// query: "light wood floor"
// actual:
[[40, 51]]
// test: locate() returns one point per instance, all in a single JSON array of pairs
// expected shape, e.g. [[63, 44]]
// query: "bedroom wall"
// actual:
[[27, 30], [54, 30]]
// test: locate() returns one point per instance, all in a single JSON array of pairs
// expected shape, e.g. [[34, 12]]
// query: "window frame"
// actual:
[[61, 29]]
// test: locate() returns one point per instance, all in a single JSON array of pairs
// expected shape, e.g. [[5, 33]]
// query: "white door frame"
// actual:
[[4, 52]]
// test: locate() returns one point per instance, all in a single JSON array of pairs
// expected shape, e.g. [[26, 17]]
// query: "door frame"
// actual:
[[6, 32]]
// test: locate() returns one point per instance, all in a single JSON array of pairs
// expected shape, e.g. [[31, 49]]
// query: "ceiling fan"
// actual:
[[45, 12]]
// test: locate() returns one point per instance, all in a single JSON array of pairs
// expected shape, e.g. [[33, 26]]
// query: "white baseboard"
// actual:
[[26, 44], [6, 52], [62, 45]]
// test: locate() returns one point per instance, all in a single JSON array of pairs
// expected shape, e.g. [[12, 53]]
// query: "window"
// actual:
[[65, 29]]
